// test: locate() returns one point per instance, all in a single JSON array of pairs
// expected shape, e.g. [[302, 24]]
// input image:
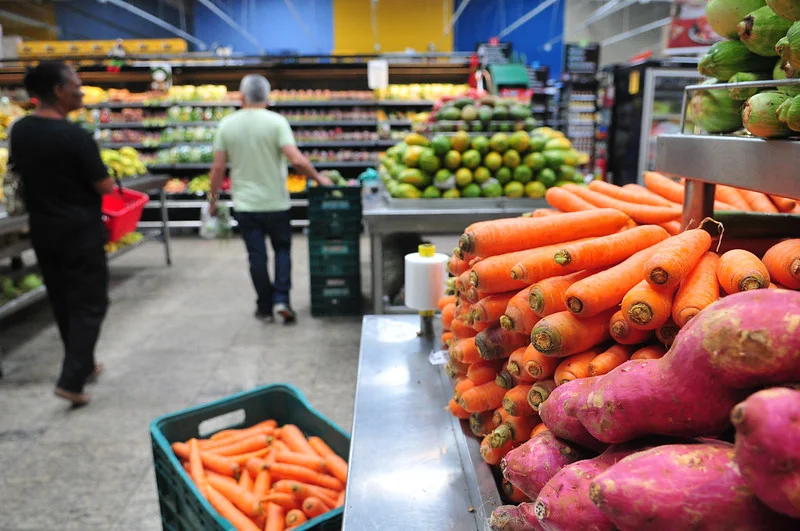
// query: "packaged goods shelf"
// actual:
[[295, 103]]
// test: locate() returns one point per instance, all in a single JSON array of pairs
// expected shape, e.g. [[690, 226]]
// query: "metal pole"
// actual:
[[232, 23], [526, 17], [301, 23], [637, 31], [460, 9], [27, 21], [141, 13]]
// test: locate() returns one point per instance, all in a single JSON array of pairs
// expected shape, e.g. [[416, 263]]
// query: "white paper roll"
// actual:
[[425, 280]]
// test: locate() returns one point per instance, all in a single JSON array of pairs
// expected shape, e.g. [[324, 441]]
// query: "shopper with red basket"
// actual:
[[63, 180]]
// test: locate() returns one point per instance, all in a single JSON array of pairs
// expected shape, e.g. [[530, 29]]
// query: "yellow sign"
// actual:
[[30, 49]]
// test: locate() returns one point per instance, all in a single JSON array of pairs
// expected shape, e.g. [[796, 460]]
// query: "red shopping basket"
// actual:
[[122, 210]]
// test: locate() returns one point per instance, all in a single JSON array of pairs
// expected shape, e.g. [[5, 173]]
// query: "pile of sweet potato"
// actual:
[[662, 429]]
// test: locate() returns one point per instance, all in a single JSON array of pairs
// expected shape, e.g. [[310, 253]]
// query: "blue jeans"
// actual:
[[255, 227]]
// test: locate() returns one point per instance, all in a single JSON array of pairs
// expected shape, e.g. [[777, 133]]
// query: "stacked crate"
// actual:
[[334, 214]]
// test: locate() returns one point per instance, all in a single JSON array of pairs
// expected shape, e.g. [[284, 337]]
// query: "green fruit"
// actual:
[[535, 161], [514, 189], [440, 145], [788, 49], [460, 141], [530, 124], [431, 192], [429, 162], [760, 115], [452, 161], [743, 94], [500, 113], [566, 173], [416, 139], [724, 15], [547, 177], [481, 145], [572, 157], [788, 9], [30, 282], [484, 114], [789, 113], [449, 114], [558, 143], [412, 176], [451, 194], [493, 161], [761, 30], [412, 155], [476, 127], [535, 190], [499, 142], [471, 159], [406, 191], [463, 177], [779, 73], [504, 127], [460, 103], [444, 180], [554, 158], [511, 158], [481, 175], [492, 188], [503, 175], [726, 58], [519, 112], [469, 113], [471, 190], [715, 111], [538, 142], [523, 174], [519, 141]]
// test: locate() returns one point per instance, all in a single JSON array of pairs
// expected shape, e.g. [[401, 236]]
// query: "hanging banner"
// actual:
[[689, 32]]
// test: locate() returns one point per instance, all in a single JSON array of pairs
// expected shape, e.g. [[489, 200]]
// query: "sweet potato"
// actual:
[[768, 447], [682, 486], [514, 518], [559, 413], [740, 342], [531, 465]]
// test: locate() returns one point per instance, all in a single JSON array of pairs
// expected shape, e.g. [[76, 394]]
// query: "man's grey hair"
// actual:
[[254, 88]]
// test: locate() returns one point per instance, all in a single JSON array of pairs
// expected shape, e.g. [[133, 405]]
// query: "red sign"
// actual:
[[689, 31], [494, 41]]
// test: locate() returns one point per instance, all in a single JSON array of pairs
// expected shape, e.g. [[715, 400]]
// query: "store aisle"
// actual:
[[174, 337]]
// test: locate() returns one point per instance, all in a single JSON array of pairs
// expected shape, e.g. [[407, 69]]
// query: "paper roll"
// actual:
[[425, 280]]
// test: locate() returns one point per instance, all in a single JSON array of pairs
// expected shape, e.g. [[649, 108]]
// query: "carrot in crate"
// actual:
[[639, 195], [295, 440], [566, 201], [608, 250], [285, 500], [514, 429], [294, 518], [622, 332], [306, 475], [304, 490], [492, 455], [613, 357], [666, 333], [230, 512], [275, 520], [672, 227], [519, 316], [491, 275], [491, 308], [465, 351], [262, 484], [196, 471], [782, 261], [699, 288], [482, 423], [227, 437], [647, 307], [515, 401], [547, 295], [539, 392], [246, 481], [758, 202], [456, 410], [515, 234], [783, 204], [484, 371], [564, 334], [243, 446], [741, 270], [638, 212], [482, 397], [211, 461], [310, 461], [649, 352], [676, 258], [496, 343], [575, 366], [243, 499], [505, 379], [537, 365]]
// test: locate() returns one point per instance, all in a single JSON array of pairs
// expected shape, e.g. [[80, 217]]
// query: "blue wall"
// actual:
[[482, 20], [89, 19], [271, 22]]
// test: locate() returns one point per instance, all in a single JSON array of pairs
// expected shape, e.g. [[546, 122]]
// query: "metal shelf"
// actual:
[[15, 249], [146, 237], [319, 145], [9, 224], [195, 224], [294, 103], [198, 203], [201, 166], [210, 123]]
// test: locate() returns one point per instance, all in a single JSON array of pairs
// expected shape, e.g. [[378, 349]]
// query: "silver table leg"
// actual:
[[698, 203], [165, 226], [376, 242]]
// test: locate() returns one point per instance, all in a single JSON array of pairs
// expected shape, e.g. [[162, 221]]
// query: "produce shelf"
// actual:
[[198, 203], [146, 237], [23, 301], [9, 224], [15, 249], [211, 123], [196, 223], [768, 166], [300, 144], [205, 166], [296, 103], [150, 125]]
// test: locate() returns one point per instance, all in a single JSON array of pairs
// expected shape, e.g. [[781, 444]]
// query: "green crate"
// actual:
[[182, 506], [336, 295], [334, 198], [326, 248], [336, 307], [334, 224], [334, 266]]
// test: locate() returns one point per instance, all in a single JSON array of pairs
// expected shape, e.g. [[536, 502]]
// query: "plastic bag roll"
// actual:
[[425, 280]]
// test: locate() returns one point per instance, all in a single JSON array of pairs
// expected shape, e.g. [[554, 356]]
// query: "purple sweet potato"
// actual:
[[559, 413], [514, 518], [531, 465], [694, 487], [742, 341], [768, 447]]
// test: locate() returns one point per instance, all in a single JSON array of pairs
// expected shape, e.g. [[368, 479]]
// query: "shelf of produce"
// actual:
[[146, 237], [334, 144], [436, 466], [196, 223], [205, 166], [150, 125], [293, 123], [10, 224], [15, 249], [294, 103], [198, 203], [145, 183]]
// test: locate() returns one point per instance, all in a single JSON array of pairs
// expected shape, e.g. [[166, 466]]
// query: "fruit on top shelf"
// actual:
[[200, 185], [197, 93], [334, 135], [326, 114], [342, 155], [93, 95], [320, 95], [423, 91], [123, 162]]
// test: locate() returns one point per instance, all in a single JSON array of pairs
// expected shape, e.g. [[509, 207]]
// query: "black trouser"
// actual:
[[255, 227], [73, 263]]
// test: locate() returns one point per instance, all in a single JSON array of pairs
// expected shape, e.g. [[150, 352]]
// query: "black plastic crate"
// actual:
[[336, 295], [334, 199], [335, 307]]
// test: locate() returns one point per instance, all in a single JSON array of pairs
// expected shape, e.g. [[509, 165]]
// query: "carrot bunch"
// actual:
[[265, 476]]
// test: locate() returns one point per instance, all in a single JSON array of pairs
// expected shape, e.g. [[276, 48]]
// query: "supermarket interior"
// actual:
[[362, 264]]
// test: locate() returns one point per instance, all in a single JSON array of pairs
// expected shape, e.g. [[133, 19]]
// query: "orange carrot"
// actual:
[[455, 369], [243, 499], [650, 352], [676, 258], [575, 366], [491, 308], [456, 410], [564, 334], [515, 366], [447, 338], [515, 401], [505, 379], [340, 499], [465, 351], [566, 201], [456, 266], [311, 461], [539, 263], [473, 295], [666, 333], [491, 455], [448, 314], [647, 307], [232, 436], [295, 440], [519, 316], [228, 510], [639, 195], [622, 332], [698, 289], [512, 493], [246, 481], [314, 507], [537, 365], [295, 517], [758, 202], [544, 212], [614, 356], [783, 204], [243, 446], [638, 212], [275, 520], [538, 429], [497, 343], [241, 459], [287, 501], [732, 196], [462, 282], [482, 397], [335, 464], [539, 392], [515, 429], [220, 464], [741, 270], [462, 387], [491, 275], [444, 300], [515, 234], [782, 261], [461, 330], [482, 423], [301, 473], [196, 470], [261, 484], [672, 227], [609, 250], [547, 295], [304, 490], [664, 186], [605, 290], [499, 416], [484, 371]]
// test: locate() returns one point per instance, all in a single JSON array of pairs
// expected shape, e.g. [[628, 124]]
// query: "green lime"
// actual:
[[535, 190], [451, 194], [538, 142], [481, 174], [535, 161], [503, 175], [547, 177], [492, 188], [471, 190], [493, 161], [463, 177], [514, 189], [566, 173], [523, 174]]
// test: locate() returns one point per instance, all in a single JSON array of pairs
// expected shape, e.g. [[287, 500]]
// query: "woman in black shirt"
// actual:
[[63, 179]]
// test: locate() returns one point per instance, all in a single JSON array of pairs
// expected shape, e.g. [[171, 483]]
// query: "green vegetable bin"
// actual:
[[183, 508]]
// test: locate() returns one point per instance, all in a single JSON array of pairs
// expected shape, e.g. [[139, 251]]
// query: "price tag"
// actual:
[[439, 357]]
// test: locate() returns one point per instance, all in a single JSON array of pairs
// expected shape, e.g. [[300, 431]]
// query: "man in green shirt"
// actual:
[[256, 143]]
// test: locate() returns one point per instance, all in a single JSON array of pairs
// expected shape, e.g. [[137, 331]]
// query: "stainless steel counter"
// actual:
[[382, 219], [412, 464]]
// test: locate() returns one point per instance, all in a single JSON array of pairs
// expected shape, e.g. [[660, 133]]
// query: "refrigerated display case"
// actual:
[[642, 101]]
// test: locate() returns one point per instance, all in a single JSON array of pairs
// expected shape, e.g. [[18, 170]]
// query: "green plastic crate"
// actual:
[[334, 266], [334, 198], [334, 224], [322, 249], [335, 295], [182, 506]]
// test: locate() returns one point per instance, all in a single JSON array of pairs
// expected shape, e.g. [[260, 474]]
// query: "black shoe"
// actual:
[[286, 312], [264, 316]]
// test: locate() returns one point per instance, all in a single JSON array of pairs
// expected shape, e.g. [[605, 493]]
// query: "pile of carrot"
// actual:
[[265, 477], [542, 300]]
